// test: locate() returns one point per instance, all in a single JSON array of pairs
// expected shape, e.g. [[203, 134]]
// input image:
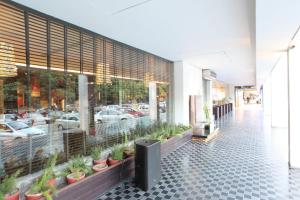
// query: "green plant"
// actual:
[[51, 164], [125, 140], [206, 113], [77, 166], [96, 153], [117, 153], [41, 184], [8, 185]]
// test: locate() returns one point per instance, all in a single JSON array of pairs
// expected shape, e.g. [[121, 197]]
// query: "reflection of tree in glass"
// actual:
[[132, 91]]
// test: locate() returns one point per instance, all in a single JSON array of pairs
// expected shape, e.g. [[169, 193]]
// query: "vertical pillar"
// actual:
[[294, 96], [152, 101], [279, 114], [83, 102]]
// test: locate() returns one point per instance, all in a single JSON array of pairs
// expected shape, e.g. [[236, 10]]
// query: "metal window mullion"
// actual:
[[81, 52], [65, 64], [27, 51], [28, 82]]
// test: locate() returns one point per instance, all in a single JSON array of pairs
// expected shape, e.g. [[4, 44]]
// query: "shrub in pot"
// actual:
[[128, 150], [45, 185], [8, 189], [116, 155], [99, 164], [76, 170], [96, 156]]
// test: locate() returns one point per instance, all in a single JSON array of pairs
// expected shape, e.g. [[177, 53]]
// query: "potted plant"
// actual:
[[116, 155], [76, 170], [8, 189], [99, 164], [45, 185], [209, 126], [96, 156], [128, 150]]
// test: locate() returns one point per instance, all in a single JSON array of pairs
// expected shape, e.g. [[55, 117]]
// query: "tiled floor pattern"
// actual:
[[242, 163]]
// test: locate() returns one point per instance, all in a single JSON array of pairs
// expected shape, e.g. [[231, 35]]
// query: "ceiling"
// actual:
[[276, 23], [214, 34]]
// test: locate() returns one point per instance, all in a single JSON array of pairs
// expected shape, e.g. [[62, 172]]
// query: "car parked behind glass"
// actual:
[[68, 121], [111, 116], [15, 129]]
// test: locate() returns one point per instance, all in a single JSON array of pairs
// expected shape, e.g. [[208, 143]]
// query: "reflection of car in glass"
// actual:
[[144, 108], [18, 129], [133, 112], [68, 121], [14, 117], [111, 115], [37, 119], [113, 107]]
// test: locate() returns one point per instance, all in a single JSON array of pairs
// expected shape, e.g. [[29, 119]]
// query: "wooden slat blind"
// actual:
[[57, 47], [73, 50], [38, 41], [12, 33]]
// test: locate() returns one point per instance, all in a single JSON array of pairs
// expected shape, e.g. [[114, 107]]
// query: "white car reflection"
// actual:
[[36, 118], [14, 117], [17, 129], [111, 116], [68, 121]]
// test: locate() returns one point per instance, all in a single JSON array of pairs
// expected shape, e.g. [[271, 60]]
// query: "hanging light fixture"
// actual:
[[7, 60]]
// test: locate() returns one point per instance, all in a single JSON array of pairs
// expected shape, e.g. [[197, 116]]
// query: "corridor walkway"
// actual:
[[247, 161]]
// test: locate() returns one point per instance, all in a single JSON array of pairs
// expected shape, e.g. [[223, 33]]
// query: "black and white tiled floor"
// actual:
[[246, 161]]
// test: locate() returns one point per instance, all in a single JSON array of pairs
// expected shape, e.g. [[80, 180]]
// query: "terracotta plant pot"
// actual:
[[71, 179], [14, 196], [99, 167], [37, 196], [52, 182], [96, 162], [112, 162]]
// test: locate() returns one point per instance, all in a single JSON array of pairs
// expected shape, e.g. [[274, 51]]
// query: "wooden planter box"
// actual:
[[97, 184], [174, 142]]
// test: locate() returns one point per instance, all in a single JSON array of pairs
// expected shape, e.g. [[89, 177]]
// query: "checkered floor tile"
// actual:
[[244, 162]]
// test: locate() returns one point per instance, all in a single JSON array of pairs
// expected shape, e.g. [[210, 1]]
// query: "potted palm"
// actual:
[[76, 170], [45, 185], [8, 189], [116, 155], [99, 164]]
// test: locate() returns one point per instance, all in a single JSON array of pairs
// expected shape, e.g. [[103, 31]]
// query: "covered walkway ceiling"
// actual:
[[207, 33]]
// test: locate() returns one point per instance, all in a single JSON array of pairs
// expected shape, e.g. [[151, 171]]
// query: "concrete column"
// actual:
[[83, 102], [180, 101], [231, 95], [152, 101], [294, 74]]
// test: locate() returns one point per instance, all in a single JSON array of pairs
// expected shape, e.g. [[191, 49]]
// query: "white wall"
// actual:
[[187, 81], [294, 104], [267, 97], [279, 114]]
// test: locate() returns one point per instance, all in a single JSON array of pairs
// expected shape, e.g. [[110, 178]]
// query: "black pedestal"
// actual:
[[147, 163]]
